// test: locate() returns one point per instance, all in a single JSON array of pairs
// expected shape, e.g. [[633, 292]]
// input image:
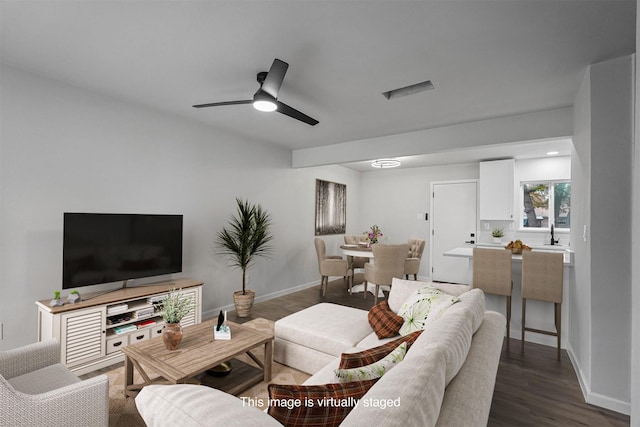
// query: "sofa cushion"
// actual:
[[374, 370], [409, 395], [49, 378], [402, 289], [329, 328], [423, 307], [385, 323], [451, 333], [196, 405], [315, 405], [371, 355]]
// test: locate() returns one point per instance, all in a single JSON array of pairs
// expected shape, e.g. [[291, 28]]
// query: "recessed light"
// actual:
[[552, 153], [385, 163]]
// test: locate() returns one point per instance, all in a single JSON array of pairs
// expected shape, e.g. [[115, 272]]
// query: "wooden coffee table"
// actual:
[[197, 353]]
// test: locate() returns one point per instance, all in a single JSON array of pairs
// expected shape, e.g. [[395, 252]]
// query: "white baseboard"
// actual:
[[596, 398], [214, 312]]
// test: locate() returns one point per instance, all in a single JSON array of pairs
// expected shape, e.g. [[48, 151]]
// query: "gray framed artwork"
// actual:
[[331, 208]]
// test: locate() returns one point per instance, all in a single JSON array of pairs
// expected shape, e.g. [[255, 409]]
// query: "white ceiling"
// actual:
[[486, 58]]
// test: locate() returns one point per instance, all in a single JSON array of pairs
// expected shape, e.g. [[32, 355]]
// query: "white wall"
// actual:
[[579, 298], [635, 246], [604, 132], [67, 149], [393, 199]]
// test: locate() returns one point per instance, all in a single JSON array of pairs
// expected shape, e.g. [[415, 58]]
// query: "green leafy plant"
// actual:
[[247, 237], [74, 292], [175, 306], [56, 294], [497, 232]]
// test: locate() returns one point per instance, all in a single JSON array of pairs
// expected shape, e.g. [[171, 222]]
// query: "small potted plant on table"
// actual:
[[174, 307]]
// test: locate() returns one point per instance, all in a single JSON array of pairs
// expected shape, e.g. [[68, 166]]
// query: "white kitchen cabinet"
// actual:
[[496, 190]]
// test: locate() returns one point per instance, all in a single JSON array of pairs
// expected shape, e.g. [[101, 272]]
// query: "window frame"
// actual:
[[551, 183]]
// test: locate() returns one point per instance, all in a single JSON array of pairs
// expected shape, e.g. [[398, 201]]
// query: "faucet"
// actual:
[[553, 241]]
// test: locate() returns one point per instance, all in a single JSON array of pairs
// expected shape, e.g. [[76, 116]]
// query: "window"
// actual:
[[546, 203]]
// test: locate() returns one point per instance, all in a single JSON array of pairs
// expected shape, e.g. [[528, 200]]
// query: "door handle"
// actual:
[[470, 241]]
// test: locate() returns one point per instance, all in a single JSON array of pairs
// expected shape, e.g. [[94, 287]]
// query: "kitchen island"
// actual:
[[539, 314]]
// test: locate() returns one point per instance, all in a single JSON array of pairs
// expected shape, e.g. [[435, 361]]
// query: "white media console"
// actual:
[[92, 332]]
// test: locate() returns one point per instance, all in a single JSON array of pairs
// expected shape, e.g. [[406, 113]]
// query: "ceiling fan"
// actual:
[[266, 98]]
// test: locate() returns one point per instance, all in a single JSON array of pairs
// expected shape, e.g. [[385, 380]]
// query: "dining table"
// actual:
[[365, 251], [360, 250]]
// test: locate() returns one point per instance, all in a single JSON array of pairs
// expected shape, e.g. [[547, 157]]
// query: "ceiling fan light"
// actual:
[[385, 163], [264, 105]]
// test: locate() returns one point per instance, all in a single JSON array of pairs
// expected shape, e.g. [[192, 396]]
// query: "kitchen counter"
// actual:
[[467, 251]]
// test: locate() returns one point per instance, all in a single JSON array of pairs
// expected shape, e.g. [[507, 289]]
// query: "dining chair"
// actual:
[[412, 263], [388, 263], [355, 261], [492, 273], [542, 278], [331, 266]]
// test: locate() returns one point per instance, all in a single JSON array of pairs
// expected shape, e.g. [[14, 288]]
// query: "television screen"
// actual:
[[103, 248]]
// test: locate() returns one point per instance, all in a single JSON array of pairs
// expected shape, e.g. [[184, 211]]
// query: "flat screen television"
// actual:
[[103, 247]]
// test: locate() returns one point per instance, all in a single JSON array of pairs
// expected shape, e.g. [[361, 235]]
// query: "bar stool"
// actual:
[[542, 276], [492, 274]]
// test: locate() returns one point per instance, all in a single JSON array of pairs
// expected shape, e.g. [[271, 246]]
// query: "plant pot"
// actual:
[[56, 302], [172, 335], [244, 302], [497, 240]]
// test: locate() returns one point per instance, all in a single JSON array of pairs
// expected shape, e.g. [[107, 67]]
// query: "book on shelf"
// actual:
[[125, 328], [116, 309], [156, 299], [145, 323], [144, 313]]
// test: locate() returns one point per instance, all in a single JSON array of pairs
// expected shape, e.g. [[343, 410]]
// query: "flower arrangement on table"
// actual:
[[374, 234]]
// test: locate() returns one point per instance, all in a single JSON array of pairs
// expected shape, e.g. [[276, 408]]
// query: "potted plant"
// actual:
[[74, 297], [56, 301], [174, 307], [246, 237], [497, 234]]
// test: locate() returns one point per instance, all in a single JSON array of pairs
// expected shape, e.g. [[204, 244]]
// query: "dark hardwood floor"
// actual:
[[532, 389]]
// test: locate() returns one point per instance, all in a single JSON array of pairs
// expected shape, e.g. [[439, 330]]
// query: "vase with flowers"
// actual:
[[373, 234]]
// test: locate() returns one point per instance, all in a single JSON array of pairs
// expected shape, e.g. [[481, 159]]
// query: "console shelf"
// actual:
[[92, 332]]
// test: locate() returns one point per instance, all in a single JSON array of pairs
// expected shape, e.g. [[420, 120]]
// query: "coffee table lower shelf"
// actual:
[[242, 377]]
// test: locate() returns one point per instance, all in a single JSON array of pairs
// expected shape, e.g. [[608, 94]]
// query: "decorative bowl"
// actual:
[[221, 370]]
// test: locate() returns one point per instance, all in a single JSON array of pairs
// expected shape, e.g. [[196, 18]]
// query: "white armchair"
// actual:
[[37, 390]]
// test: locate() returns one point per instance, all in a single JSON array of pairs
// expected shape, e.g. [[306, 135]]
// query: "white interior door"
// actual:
[[453, 225]]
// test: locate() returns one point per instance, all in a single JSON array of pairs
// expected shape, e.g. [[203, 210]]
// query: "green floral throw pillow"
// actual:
[[423, 307], [375, 370]]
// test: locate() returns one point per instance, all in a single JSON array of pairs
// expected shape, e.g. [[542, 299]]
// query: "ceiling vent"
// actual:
[[408, 90]]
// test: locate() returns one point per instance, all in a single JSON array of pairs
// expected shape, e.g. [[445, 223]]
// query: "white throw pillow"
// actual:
[[402, 289], [424, 307], [374, 370]]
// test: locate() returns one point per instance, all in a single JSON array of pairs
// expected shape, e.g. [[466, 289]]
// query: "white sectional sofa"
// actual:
[[446, 378]]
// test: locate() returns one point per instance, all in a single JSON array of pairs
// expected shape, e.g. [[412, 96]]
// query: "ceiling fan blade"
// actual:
[[217, 104], [292, 112], [274, 78]]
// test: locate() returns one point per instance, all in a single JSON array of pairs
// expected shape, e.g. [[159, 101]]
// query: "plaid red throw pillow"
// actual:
[[372, 355], [324, 405], [385, 323]]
